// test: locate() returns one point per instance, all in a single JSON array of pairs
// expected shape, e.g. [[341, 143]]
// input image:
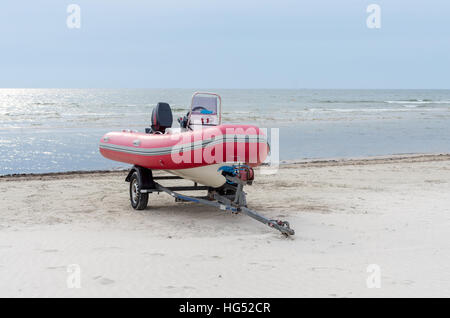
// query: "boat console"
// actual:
[[206, 110]]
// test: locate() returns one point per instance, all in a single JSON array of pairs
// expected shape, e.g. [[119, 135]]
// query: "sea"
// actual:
[[57, 130]]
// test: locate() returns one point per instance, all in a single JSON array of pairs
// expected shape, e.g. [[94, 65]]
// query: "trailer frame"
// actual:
[[142, 183]]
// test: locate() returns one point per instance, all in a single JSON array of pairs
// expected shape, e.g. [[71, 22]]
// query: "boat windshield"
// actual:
[[206, 105], [205, 109]]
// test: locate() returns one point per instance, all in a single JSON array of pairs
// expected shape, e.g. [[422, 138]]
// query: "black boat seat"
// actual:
[[161, 118]]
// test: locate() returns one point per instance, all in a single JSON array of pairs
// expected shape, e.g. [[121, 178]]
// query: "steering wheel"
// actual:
[[198, 108]]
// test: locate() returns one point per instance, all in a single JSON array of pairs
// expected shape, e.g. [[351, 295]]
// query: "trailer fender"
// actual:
[[145, 177]]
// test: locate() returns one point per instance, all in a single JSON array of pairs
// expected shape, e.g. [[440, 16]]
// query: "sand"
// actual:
[[62, 231]]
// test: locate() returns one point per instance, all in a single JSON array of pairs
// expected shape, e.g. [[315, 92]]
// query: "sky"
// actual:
[[225, 44]]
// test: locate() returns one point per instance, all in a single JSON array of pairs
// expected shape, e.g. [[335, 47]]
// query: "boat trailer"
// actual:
[[230, 197]]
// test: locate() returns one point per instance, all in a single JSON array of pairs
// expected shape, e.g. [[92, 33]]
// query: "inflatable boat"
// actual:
[[198, 150], [219, 157]]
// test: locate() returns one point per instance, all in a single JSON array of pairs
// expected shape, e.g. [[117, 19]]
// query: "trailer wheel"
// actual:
[[138, 200]]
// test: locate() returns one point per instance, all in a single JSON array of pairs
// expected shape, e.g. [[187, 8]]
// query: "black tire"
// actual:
[[138, 200]]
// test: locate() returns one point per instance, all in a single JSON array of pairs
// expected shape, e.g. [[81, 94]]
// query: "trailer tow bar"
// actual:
[[224, 203]]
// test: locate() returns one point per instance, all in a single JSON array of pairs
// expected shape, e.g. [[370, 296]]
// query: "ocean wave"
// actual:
[[348, 101], [404, 101], [44, 103], [418, 101], [361, 110], [20, 115]]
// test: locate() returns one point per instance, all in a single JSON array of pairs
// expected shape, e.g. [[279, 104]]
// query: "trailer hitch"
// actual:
[[282, 226]]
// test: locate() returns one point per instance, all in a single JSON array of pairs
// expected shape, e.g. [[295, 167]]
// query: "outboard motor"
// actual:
[[161, 118]]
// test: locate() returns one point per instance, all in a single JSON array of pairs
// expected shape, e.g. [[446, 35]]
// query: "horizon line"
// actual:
[[225, 88]]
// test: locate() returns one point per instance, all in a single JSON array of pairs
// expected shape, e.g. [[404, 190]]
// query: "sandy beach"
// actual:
[[393, 212]]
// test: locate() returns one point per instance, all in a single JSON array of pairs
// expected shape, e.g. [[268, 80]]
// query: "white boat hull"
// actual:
[[206, 175]]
